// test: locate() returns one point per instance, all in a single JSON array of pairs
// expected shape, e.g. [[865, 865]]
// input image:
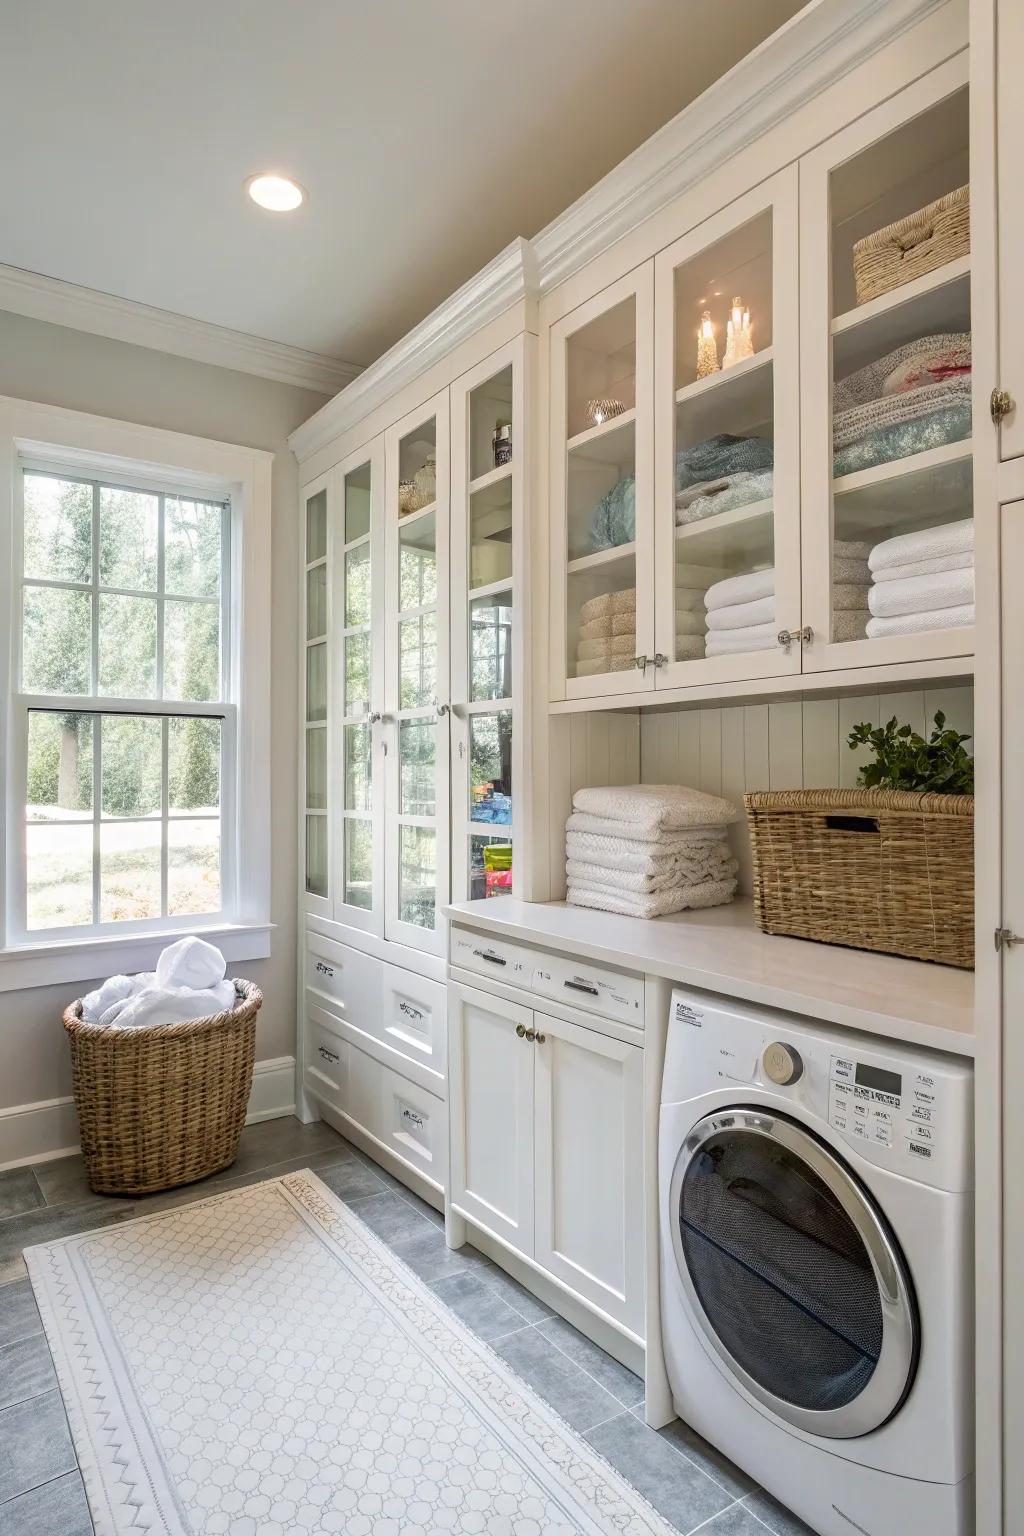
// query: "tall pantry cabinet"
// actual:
[[414, 687]]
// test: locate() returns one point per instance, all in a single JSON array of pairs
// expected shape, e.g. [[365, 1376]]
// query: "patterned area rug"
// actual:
[[260, 1364]]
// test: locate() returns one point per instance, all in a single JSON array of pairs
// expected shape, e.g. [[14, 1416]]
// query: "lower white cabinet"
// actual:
[[546, 1122]]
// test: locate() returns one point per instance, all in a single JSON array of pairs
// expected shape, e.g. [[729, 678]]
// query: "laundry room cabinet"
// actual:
[[546, 1118]]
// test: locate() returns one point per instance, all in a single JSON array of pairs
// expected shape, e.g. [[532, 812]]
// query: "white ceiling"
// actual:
[[428, 132]]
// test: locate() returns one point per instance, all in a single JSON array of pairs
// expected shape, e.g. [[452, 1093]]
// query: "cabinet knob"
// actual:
[[540, 1038], [374, 718], [531, 1034], [1000, 404], [521, 1030]]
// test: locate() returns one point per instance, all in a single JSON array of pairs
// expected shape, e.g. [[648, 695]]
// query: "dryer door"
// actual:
[[792, 1273]]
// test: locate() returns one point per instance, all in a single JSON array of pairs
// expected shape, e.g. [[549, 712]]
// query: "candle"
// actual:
[[738, 343], [707, 350]]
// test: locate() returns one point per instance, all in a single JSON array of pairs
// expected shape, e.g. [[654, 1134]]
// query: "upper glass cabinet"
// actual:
[[602, 492], [416, 676], [316, 692], [727, 511], [889, 573], [487, 509]]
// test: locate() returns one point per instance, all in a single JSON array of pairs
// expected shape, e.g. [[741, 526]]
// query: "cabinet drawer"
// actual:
[[340, 1074], [414, 1126], [347, 977], [412, 1017], [593, 987], [501, 959]]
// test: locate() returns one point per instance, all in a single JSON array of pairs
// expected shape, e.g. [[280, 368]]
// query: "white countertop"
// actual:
[[722, 950]]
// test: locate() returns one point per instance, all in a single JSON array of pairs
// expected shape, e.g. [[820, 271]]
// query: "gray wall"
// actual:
[[69, 368]]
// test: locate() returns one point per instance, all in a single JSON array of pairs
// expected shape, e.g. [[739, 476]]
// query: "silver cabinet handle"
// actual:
[[375, 718], [787, 637]]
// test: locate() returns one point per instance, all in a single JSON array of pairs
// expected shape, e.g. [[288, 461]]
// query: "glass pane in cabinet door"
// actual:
[[316, 602], [417, 651], [358, 751], [357, 586], [417, 749], [490, 425], [417, 469], [357, 503], [490, 534], [358, 863], [490, 768], [316, 527], [490, 867], [316, 855], [316, 769], [490, 647], [417, 562], [357, 674], [316, 682], [418, 876], [724, 451], [601, 369]]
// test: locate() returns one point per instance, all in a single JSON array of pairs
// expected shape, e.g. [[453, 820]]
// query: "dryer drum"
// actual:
[[793, 1274]]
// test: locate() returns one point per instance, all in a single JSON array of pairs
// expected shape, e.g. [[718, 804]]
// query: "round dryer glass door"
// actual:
[[792, 1273]]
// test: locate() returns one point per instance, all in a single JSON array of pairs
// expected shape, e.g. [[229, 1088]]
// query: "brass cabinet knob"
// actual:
[[1000, 404], [521, 1030], [540, 1038], [531, 1034]]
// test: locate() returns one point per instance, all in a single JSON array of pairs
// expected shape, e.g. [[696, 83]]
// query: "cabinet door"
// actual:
[[602, 468], [588, 1166], [488, 415], [727, 485], [1009, 61], [886, 385], [490, 1106], [318, 501], [358, 631], [416, 742]]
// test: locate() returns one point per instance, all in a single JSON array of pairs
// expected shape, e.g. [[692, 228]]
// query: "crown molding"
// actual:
[[103, 314], [511, 278], [820, 45]]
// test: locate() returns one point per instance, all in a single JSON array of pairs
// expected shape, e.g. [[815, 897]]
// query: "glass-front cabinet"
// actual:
[[727, 492], [886, 292], [416, 676], [602, 492], [487, 423], [315, 689]]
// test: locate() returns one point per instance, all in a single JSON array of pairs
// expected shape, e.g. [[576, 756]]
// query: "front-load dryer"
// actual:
[[816, 1251]]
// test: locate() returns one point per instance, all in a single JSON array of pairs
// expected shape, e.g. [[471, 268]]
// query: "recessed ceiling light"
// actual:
[[278, 194]]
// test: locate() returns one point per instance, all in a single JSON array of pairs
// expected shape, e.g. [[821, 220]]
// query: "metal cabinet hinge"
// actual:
[[1006, 939], [788, 637], [1000, 404]]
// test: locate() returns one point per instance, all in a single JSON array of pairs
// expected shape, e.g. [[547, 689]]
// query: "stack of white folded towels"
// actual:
[[607, 637], [923, 581], [692, 582], [188, 983], [649, 849], [741, 614]]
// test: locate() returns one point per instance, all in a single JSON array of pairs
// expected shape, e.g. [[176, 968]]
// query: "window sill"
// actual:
[[73, 960]]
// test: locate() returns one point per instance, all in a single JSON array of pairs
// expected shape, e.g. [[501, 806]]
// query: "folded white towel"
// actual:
[[631, 837], [599, 664], [689, 623], [740, 589], [756, 637], [850, 549], [595, 877], [654, 807], [921, 594], [713, 893], [847, 597], [963, 562], [743, 615], [170, 1005], [918, 623], [608, 858], [851, 625], [615, 645], [856, 571], [927, 544]]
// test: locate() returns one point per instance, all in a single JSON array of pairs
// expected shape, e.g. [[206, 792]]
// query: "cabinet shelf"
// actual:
[[491, 589], [932, 283], [408, 518], [897, 469], [491, 478], [938, 302], [591, 443], [735, 376], [603, 557], [716, 534]]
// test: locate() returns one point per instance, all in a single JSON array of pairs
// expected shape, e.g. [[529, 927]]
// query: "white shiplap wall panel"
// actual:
[[792, 744]]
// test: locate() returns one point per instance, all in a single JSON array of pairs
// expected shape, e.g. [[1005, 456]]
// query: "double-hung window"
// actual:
[[124, 719]]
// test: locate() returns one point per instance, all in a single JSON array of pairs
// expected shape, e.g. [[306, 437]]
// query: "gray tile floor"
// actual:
[[41, 1492]]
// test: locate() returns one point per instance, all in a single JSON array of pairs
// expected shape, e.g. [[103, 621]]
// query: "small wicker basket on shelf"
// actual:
[[883, 869], [163, 1104], [922, 241]]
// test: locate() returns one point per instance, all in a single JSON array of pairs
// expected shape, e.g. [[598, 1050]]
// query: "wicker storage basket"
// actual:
[[163, 1104], [912, 246], [882, 869]]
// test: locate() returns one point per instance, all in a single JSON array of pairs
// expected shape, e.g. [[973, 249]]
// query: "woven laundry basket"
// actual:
[[163, 1104], [883, 869], [912, 246]]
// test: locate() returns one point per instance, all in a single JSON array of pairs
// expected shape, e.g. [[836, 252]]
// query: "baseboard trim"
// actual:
[[38, 1133]]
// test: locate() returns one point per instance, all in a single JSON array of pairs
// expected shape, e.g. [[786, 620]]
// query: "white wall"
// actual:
[[69, 368]]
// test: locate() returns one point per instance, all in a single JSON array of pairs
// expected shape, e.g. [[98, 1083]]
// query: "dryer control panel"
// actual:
[[887, 1107]]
